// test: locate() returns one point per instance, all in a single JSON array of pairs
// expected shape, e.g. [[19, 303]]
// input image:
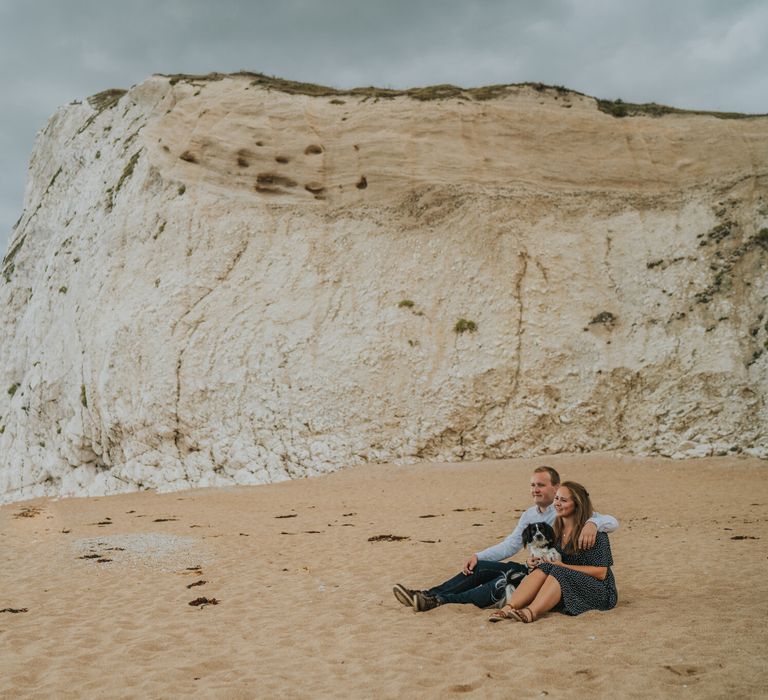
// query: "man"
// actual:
[[484, 576]]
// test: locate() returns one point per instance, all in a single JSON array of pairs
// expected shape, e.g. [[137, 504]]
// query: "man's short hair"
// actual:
[[554, 477]]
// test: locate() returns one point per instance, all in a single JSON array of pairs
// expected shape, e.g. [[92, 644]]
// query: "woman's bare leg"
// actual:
[[528, 589], [548, 596]]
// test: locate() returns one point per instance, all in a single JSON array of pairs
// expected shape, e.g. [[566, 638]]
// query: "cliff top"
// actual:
[[617, 108]]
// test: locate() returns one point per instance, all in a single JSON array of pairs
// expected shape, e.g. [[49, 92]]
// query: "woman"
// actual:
[[582, 581]]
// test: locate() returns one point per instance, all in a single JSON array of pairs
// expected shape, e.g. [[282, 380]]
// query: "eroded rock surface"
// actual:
[[217, 282]]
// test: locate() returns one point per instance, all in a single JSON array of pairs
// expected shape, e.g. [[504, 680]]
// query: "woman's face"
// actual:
[[564, 504]]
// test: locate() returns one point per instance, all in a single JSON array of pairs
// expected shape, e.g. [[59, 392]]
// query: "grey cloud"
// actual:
[[704, 54]]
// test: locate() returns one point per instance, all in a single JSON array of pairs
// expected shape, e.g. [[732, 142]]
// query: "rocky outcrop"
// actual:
[[225, 281]]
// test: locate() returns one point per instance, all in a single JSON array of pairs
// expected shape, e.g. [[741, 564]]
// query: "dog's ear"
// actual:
[[527, 535]]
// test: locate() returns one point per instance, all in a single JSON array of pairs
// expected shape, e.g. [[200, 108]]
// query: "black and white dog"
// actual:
[[539, 538]]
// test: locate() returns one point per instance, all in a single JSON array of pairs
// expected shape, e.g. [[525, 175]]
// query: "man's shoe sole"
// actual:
[[403, 596]]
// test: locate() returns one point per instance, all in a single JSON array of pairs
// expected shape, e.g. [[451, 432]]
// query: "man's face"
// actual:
[[542, 490]]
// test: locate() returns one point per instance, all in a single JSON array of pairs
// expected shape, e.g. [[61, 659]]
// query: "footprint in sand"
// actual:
[[685, 671], [463, 687], [587, 673]]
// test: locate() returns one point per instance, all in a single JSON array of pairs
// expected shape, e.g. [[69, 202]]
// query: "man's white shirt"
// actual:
[[514, 542]]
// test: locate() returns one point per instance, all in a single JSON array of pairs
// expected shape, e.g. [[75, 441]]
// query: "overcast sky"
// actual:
[[702, 54]]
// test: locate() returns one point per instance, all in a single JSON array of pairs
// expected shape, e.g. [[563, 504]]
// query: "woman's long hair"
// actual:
[[582, 512]]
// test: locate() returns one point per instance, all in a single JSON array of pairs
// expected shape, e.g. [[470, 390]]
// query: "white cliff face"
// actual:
[[214, 282]]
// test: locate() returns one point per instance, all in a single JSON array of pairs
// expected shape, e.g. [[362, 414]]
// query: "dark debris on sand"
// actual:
[[28, 512], [201, 602], [388, 538]]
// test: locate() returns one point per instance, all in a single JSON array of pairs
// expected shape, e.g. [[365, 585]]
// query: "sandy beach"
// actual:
[[303, 581]]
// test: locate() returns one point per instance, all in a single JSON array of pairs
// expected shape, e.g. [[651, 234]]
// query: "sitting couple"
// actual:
[[581, 581]]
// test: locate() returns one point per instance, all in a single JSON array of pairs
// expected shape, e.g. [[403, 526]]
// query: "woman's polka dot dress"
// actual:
[[582, 592]]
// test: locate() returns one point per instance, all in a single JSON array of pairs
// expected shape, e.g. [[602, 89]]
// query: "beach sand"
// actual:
[[305, 604]]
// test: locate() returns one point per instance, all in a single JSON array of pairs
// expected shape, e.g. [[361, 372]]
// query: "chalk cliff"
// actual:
[[224, 280]]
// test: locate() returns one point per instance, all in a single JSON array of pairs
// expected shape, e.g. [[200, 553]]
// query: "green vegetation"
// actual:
[[53, 179], [724, 266], [616, 108], [430, 92], [127, 170], [464, 326], [83, 397], [717, 234], [106, 99], [13, 388], [130, 138], [62, 290], [11, 254], [100, 102], [182, 189], [405, 304], [619, 108]]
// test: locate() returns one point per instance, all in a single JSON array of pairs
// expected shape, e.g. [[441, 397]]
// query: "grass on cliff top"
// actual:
[[616, 108], [619, 108], [431, 92], [106, 99]]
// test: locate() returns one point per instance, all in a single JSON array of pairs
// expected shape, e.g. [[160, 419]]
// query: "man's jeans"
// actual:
[[484, 587]]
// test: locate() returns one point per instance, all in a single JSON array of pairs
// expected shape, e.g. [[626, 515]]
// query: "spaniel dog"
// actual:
[[540, 540]]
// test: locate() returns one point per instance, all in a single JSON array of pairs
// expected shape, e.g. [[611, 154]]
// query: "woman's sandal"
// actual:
[[505, 613], [524, 615]]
